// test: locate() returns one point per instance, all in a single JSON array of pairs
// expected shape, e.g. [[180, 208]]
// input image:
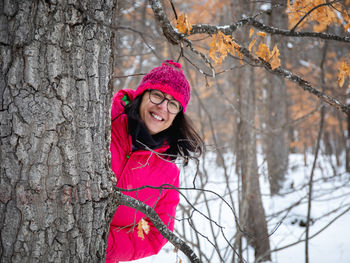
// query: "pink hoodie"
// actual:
[[133, 170]]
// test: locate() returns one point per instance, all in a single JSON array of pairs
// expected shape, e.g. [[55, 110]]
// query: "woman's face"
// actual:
[[155, 117]]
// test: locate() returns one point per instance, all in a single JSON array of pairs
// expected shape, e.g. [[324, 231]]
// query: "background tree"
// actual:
[[274, 117], [215, 41]]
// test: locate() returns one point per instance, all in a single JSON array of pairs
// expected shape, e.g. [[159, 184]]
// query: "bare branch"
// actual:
[[176, 38], [305, 85], [315, 234], [141, 34], [158, 223], [229, 29], [169, 32]]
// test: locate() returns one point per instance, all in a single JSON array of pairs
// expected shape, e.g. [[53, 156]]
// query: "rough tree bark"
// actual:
[[55, 178], [347, 145], [252, 213], [275, 135]]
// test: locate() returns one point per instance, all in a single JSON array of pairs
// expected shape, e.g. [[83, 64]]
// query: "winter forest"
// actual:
[[270, 87]]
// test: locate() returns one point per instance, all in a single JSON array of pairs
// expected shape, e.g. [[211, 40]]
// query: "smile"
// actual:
[[157, 117]]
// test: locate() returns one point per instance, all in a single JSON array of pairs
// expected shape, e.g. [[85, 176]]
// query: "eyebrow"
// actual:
[[165, 94]]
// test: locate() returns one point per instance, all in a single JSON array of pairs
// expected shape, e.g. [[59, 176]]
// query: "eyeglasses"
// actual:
[[157, 97]]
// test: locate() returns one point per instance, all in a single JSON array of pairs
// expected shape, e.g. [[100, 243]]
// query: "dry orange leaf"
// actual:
[[263, 52], [322, 16], [346, 27], [275, 61], [251, 44], [251, 31], [212, 47], [145, 226], [344, 72], [183, 25], [341, 80], [273, 58], [140, 231], [142, 226], [262, 34], [220, 45]]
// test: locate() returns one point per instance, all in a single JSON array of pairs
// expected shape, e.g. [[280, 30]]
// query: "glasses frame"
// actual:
[[164, 98]]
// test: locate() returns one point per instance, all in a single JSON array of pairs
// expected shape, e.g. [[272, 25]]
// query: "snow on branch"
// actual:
[[229, 29]]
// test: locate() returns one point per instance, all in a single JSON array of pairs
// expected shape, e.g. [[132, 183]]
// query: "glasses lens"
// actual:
[[156, 96], [174, 106]]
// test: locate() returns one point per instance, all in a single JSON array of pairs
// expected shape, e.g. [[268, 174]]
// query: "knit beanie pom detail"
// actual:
[[168, 78], [172, 63]]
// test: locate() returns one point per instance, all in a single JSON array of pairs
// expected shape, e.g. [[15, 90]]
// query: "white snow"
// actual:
[[331, 197], [304, 63], [265, 7]]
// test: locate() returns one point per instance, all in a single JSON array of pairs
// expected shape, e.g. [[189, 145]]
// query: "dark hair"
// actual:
[[182, 137]]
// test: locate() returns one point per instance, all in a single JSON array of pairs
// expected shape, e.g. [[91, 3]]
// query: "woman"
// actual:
[[149, 131]]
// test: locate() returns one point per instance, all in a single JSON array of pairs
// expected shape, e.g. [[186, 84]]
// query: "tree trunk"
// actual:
[[253, 217], [347, 145], [55, 182], [275, 135]]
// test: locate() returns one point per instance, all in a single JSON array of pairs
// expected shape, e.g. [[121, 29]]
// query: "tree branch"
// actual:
[[305, 85], [229, 29], [158, 223], [315, 234], [169, 32], [308, 13], [176, 38]]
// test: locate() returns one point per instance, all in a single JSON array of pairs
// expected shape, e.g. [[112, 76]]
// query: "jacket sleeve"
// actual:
[[118, 103], [125, 245]]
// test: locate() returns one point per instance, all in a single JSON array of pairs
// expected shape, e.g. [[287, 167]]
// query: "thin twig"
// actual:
[[158, 223], [310, 11]]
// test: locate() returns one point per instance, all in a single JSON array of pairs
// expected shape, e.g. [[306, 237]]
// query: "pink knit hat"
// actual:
[[168, 78]]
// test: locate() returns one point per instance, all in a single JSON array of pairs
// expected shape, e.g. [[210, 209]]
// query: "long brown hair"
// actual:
[[183, 139]]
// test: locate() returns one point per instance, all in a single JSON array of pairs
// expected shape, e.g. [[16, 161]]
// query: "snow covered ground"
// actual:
[[331, 203]]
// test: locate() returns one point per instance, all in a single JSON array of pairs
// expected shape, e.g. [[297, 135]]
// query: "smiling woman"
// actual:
[[149, 132], [156, 114]]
